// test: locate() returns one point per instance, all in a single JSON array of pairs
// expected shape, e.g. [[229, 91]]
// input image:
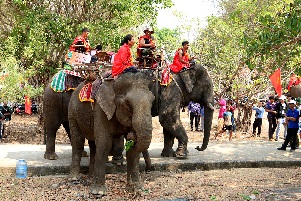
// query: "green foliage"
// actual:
[[169, 39]]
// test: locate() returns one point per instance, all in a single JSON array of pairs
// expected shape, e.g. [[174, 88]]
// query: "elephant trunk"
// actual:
[[208, 115], [142, 121]]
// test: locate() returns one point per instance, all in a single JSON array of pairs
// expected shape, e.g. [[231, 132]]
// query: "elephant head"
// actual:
[[129, 98], [199, 87]]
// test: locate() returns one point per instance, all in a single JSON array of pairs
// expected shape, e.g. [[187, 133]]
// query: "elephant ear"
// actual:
[[188, 77], [105, 97]]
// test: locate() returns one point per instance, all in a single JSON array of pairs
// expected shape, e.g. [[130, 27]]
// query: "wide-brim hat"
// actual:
[[148, 30], [282, 97]]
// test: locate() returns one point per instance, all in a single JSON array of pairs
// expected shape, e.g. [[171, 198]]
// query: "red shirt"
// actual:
[[122, 60], [78, 39], [177, 65]]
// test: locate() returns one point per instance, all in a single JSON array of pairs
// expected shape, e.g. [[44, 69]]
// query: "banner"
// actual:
[[27, 105], [276, 81]]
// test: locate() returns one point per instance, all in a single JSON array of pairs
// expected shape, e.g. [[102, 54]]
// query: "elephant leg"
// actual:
[[67, 129], [117, 149], [92, 147], [77, 143], [168, 144], [147, 161], [181, 135], [50, 132], [133, 179], [103, 148]]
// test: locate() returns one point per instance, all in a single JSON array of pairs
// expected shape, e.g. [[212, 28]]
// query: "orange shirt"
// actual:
[[122, 60], [80, 39], [148, 40], [177, 65]]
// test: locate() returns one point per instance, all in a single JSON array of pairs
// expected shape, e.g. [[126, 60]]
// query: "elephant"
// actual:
[[121, 107], [193, 84]]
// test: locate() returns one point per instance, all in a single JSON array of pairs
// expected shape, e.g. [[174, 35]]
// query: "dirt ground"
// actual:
[[233, 184]]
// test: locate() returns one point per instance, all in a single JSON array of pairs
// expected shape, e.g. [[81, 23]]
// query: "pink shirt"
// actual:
[[222, 109]]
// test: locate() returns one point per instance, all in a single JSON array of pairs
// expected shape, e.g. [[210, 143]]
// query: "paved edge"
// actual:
[[113, 169]]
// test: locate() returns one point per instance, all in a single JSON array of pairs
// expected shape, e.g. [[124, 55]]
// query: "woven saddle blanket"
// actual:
[[65, 80]]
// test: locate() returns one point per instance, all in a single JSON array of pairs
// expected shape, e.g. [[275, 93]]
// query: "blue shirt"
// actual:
[[259, 112], [293, 113], [194, 107], [227, 117]]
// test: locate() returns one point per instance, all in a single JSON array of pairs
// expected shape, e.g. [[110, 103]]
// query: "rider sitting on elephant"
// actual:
[[123, 60], [181, 59], [147, 41], [81, 43]]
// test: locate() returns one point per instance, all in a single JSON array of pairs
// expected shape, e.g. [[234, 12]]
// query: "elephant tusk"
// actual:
[[210, 106]]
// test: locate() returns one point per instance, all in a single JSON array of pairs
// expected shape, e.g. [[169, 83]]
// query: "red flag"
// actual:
[[276, 81], [27, 105]]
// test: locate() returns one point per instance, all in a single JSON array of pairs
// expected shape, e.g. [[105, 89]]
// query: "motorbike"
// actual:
[[20, 108]]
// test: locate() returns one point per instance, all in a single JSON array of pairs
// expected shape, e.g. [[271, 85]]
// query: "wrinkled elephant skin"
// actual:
[[295, 91]]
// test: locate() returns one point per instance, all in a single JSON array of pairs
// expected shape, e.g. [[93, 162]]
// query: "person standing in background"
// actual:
[[194, 110], [258, 118], [270, 109]]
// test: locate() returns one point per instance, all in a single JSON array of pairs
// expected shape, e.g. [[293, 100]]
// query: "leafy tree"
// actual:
[[169, 39], [245, 44]]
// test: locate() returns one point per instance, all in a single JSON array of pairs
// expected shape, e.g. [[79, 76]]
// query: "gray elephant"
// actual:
[[194, 85], [121, 107]]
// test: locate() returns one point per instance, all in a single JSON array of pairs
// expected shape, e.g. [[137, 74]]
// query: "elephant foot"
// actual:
[[200, 149], [51, 156], [98, 191], [73, 177], [168, 153], [182, 152], [133, 187], [85, 154], [147, 165], [118, 160]]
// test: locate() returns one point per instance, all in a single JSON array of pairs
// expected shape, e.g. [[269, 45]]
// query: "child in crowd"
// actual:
[[222, 109], [227, 116], [258, 118]]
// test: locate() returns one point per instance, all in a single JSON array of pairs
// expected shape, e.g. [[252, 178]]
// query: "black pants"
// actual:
[[197, 119], [272, 126], [257, 124], [291, 133]]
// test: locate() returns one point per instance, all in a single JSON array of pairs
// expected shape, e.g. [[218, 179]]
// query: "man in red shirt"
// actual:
[[81, 43], [181, 58], [123, 60]]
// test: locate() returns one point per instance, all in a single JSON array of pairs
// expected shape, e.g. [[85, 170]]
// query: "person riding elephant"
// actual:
[[181, 59], [123, 60], [190, 85], [121, 107], [81, 43], [146, 42]]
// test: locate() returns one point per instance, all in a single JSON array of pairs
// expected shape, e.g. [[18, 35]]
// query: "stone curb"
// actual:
[[113, 169]]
